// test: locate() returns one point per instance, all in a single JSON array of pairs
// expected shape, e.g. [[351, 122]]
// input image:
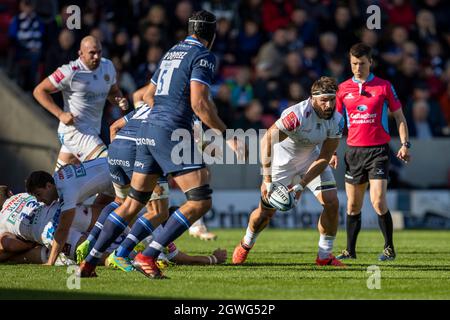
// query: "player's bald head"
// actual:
[[89, 41], [90, 52]]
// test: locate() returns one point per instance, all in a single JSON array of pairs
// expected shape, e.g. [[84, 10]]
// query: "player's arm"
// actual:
[[115, 96], [42, 93], [204, 108], [149, 94], [328, 149], [61, 234], [270, 138], [115, 127], [217, 257]]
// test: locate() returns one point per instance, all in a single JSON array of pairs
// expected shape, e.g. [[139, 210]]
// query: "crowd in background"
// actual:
[[268, 51]]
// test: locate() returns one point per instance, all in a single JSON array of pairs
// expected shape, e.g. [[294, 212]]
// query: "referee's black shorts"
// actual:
[[364, 163]]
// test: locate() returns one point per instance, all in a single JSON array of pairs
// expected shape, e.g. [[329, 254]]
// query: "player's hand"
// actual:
[[403, 154], [298, 193], [334, 161], [122, 103], [221, 255], [239, 147], [67, 118], [266, 190]]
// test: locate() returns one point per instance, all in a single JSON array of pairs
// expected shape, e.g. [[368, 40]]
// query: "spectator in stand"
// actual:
[[425, 30], [249, 41], [311, 61], [62, 52], [420, 127], [251, 118], [272, 53], [223, 105], [344, 28], [276, 14], [145, 70], [250, 10], [433, 66], [406, 78], [306, 27], [179, 22], [293, 72], [26, 32], [241, 89], [399, 12], [444, 102], [328, 43], [335, 68], [393, 54], [225, 43]]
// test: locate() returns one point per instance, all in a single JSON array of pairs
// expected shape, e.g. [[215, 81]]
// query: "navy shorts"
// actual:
[[121, 156], [157, 153]]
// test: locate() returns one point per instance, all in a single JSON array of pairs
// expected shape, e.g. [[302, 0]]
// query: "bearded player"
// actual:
[[302, 143]]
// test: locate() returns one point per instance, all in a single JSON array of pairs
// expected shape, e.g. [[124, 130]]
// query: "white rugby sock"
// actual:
[[250, 237], [325, 246]]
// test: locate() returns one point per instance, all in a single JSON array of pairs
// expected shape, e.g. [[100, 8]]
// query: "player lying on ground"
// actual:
[[72, 184], [27, 229], [290, 155]]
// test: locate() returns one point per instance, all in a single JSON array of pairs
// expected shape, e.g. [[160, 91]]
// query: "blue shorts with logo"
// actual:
[[121, 156], [156, 153]]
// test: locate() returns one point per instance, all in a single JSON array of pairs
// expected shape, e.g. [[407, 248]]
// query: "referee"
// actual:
[[365, 100]]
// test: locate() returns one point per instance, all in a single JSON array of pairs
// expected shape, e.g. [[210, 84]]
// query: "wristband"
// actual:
[[297, 188], [212, 259], [269, 186]]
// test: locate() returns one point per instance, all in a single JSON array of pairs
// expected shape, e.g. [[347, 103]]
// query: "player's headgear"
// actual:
[[203, 24]]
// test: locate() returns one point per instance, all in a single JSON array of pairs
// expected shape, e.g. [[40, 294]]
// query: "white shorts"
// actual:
[[291, 175], [80, 142]]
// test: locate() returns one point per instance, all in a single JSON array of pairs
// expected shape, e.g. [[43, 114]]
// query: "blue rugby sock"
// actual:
[[112, 228], [95, 232], [175, 226], [141, 229]]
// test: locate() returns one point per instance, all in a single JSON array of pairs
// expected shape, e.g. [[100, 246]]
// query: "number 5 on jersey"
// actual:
[[165, 76]]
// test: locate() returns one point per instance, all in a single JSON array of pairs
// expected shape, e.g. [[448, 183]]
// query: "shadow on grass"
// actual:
[[13, 294]]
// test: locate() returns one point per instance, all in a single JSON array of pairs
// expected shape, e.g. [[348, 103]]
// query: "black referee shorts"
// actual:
[[364, 163]]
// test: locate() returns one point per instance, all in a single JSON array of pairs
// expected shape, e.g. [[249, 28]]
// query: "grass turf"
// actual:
[[281, 266]]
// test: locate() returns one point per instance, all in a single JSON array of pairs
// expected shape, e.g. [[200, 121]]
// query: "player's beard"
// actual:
[[326, 115]]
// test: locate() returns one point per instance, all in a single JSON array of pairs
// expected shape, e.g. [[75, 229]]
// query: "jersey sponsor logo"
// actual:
[[107, 77], [291, 121], [119, 162], [145, 141], [361, 118], [60, 175], [139, 164], [58, 76], [361, 108], [206, 64], [349, 96], [79, 170]]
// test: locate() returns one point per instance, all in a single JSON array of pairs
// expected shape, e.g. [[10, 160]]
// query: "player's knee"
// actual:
[[353, 208], [332, 205], [140, 196], [379, 206], [199, 194]]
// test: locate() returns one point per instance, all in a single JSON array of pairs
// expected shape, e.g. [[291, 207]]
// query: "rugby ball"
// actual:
[[281, 198]]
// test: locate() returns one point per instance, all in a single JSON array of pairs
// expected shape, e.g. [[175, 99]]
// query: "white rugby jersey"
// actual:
[[84, 91], [306, 132], [76, 183], [27, 218]]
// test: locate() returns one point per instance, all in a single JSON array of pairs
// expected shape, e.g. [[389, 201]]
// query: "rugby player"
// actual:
[[178, 90], [85, 83], [121, 158], [365, 100], [27, 228], [302, 143], [72, 184]]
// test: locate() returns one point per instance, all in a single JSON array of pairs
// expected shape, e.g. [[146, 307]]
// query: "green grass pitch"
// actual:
[[281, 266]]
